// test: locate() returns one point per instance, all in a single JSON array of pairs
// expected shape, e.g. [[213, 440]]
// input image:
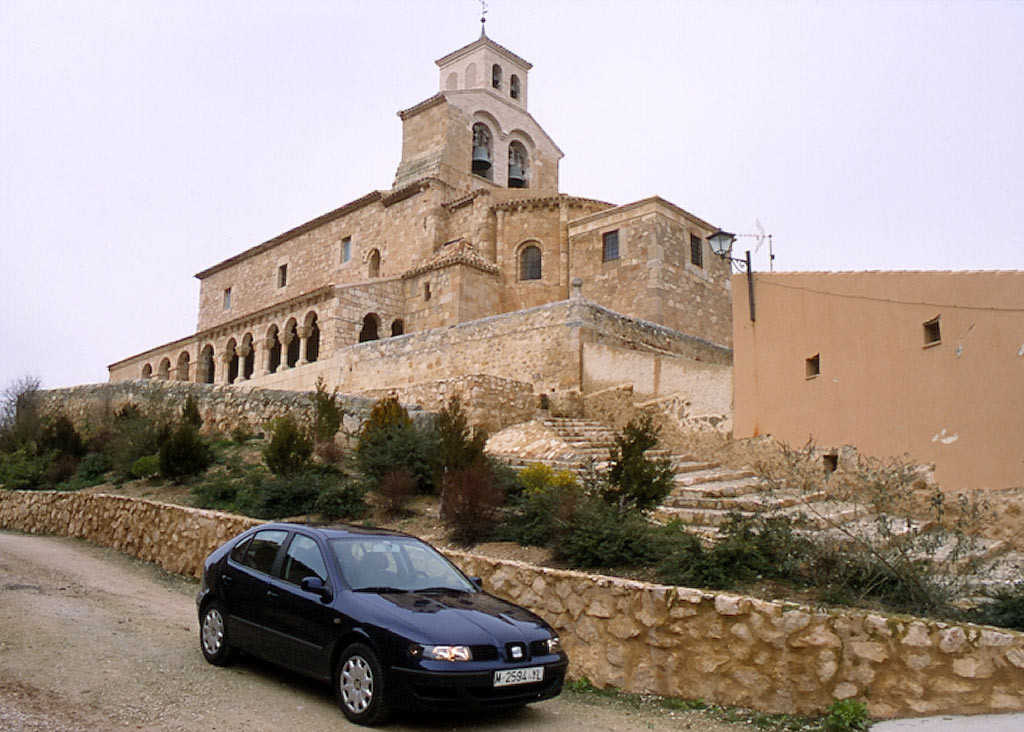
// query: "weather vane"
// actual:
[[483, 17]]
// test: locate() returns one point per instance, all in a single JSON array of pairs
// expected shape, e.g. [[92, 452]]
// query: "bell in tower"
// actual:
[[516, 165], [481, 150]]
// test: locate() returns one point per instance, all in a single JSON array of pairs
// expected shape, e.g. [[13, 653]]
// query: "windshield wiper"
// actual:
[[381, 590], [439, 589]]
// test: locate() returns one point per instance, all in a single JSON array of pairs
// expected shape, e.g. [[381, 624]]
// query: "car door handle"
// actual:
[[226, 579], [272, 595]]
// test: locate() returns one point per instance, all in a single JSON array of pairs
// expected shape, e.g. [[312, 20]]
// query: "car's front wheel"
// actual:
[[359, 683], [213, 635]]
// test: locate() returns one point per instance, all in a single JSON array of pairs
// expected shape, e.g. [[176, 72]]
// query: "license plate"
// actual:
[[516, 676]]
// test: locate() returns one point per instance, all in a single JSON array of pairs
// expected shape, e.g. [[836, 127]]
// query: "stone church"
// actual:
[[473, 269]]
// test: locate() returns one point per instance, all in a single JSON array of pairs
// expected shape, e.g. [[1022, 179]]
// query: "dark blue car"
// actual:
[[381, 615]]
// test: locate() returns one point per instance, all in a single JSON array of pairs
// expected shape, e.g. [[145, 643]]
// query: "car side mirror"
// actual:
[[316, 586], [477, 582]]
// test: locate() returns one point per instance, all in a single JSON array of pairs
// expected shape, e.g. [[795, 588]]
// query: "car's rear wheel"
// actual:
[[213, 636], [359, 684]]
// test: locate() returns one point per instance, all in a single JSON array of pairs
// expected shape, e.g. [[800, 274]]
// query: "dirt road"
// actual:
[[93, 640]]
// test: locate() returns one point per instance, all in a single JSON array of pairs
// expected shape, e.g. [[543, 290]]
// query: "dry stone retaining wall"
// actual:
[[642, 637]]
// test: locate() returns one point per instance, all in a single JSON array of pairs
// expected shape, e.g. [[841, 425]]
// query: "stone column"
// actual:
[[266, 346], [243, 351], [285, 339], [304, 333], [221, 376]]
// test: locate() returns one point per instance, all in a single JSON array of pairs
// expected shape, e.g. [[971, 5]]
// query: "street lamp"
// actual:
[[721, 244]]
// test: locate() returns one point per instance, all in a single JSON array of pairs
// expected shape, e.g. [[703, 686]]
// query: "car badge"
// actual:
[[517, 653]]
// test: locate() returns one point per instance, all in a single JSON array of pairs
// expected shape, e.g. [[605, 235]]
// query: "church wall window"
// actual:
[[452, 82], [373, 266], [530, 263], [426, 290], [227, 298], [513, 86], [496, 77], [397, 327], [610, 246], [471, 76], [147, 371], [346, 249], [282, 275], [371, 328], [696, 251]]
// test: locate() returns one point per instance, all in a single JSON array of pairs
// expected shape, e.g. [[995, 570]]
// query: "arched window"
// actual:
[[513, 86], [518, 162], [274, 345], [453, 82], [147, 371], [397, 328], [232, 351], [183, 364], [496, 77], [371, 327], [471, 76], [373, 268], [529, 263], [313, 339], [207, 365], [482, 151], [292, 337]]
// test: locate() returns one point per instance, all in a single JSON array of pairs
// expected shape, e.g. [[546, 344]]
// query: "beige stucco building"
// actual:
[[473, 235], [925, 363]]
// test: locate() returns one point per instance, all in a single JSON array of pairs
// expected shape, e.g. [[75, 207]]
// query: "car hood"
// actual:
[[458, 617]]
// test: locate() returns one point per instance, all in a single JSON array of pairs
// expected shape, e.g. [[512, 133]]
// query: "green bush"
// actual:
[[1005, 609], [396, 490], [598, 535], [94, 466], [146, 466], [59, 435], [636, 481], [133, 434], [21, 418], [542, 508], [289, 450], [218, 492], [459, 444], [190, 413], [24, 470], [241, 434], [389, 440], [847, 715], [327, 413], [183, 454], [345, 499]]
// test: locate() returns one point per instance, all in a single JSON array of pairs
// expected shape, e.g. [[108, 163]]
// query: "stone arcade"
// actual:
[[472, 264]]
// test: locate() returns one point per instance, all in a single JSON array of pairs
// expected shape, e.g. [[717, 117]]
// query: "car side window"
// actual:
[[303, 559], [238, 553], [263, 549]]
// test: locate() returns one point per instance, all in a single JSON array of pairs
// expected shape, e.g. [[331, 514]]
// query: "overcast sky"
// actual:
[[143, 141]]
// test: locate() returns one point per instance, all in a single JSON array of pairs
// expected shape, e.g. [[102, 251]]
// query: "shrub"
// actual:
[[133, 434], [345, 499], [190, 413], [598, 535], [635, 481], [1005, 608], [327, 413], [542, 509], [183, 454], [20, 415], [61, 468], [146, 466], [23, 470], [289, 450], [396, 489], [330, 452], [241, 434], [59, 435], [459, 444], [219, 492], [470, 501], [389, 440], [847, 715], [93, 467]]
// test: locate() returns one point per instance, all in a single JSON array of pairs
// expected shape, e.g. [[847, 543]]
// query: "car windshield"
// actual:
[[396, 564]]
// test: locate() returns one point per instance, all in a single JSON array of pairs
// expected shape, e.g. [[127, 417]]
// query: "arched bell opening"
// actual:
[[482, 151], [518, 165]]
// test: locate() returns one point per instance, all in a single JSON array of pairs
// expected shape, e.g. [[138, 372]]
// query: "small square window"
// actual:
[[932, 332], [610, 249], [282, 275], [813, 366], [426, 290], [696, 251], [227, 298], [346, 249]]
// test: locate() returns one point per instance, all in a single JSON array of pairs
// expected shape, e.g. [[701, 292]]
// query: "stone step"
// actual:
[[746, 502], [715, 475]]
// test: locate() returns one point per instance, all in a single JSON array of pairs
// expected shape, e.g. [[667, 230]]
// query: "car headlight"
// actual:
[[554, 645], [442, 653]]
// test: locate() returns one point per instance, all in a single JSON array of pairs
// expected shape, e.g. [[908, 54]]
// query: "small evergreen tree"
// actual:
[[190, 413], [289, 450], [460, 444], [635, 481], [183, 453], [389, 440], [327, 413]]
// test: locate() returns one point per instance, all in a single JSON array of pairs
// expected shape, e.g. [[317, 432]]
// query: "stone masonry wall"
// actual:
[[641, 637]]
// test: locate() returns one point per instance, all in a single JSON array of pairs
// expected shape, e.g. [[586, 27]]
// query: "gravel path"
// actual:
[[91, 640]]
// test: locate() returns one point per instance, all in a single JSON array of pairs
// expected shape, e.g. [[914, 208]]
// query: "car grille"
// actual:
[[484, 653]]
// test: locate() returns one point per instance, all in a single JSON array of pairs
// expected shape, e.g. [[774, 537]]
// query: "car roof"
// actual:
[[337, 531]]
